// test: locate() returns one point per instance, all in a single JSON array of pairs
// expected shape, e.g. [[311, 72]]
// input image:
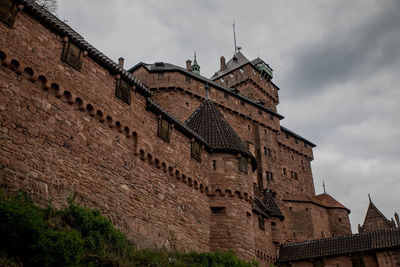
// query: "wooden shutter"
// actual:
[[196, 151], [123, 91], [163, 129], [72, 55]]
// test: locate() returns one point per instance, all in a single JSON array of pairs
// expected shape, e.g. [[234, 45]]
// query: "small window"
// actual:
[[160, 75], [284, 171], [268, 152], [340, 219], [287, 136], [248, 127], [265, 151], [271, 117], [218, 210], [164, 129], [260, 112], [296, 140], [305, 145], [243, 164], [273, 224], [261, 223], [188, 79], [196, 151], [226, 96], [214, 164], [242, 103], [123, 91], [72, 55], [8, 11]]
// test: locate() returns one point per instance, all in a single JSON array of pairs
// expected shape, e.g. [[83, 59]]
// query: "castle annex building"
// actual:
[[174, 159]]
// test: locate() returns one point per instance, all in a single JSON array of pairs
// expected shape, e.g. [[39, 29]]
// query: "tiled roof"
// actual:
[[267, 206], [165, 67], [271, 204], [210, 124], [297, 136], [324, 200], [61, 28], [373, 211], [237, 61], [383, 239]]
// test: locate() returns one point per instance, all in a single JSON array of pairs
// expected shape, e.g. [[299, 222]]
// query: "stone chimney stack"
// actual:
[[189, 65], [222, 61], [121, 62]]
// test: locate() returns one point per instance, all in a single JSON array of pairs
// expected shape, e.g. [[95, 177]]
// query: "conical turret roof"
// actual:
[[210, 124]]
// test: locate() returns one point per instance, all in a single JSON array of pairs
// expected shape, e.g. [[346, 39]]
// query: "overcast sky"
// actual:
[[337, 64]]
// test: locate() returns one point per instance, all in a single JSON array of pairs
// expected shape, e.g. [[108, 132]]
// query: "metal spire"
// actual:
[[234, 37], [369, 197], [323, 184]]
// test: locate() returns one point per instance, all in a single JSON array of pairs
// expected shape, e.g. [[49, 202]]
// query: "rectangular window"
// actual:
[[123, 91], [260, 112], [218, 210], [188, 79], [261, 223], [164, 129], [284, 171], [243, 164], [287, 136], [8, 11], [297, 141], [271, 117], [214, 164], [160, 75], [242, 103], [196, 151], [72, 55], [226, 95]]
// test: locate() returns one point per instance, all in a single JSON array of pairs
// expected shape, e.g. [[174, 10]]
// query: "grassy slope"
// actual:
[[77, 236]]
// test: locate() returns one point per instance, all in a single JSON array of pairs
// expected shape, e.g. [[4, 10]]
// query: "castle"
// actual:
[[176, 160]]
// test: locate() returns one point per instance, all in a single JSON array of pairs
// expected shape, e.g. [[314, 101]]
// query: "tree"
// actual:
[[50, 5]]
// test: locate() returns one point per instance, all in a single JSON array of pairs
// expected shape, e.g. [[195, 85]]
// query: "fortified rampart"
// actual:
[[174, 159]]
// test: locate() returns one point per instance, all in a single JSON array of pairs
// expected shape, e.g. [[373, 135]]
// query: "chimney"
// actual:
[[222, 61], [189, 65], [121, 62]]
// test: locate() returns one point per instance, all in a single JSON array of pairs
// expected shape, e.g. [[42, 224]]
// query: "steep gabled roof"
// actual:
[[374, 213], [341, 245], [210, 124]]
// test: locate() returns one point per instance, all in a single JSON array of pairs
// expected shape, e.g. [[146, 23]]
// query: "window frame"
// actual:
[[67, 52], [165, 136], [243, 164], [261, 223], [196, 154], [120, 91]]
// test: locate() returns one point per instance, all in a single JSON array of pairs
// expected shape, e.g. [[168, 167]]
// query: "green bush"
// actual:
[[77, 236], [25, 235]]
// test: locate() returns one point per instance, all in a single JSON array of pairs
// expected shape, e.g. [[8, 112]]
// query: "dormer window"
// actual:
[[196, 151], [8, 12], [243, 164], [123, 91], [164, 129], [72, 55]]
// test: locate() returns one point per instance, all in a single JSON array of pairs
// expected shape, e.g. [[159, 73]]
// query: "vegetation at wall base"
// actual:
[[77, 236]]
